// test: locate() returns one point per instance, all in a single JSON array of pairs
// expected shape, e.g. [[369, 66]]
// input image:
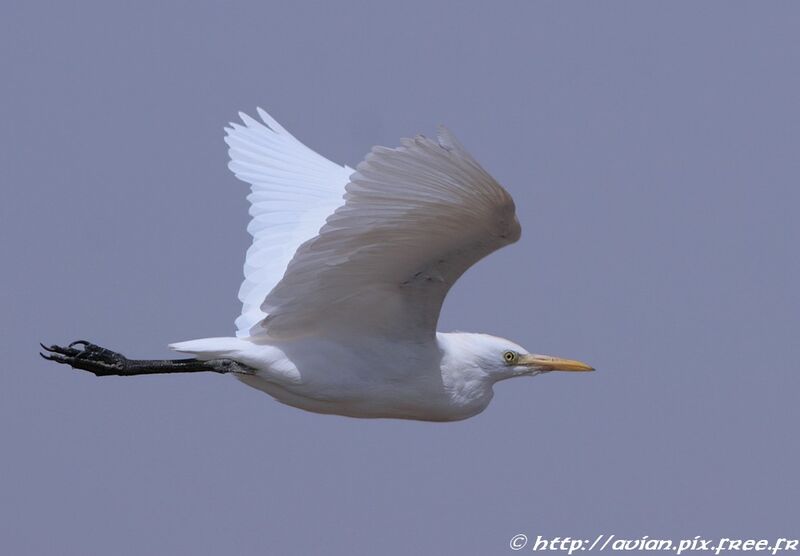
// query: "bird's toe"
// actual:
[[86, 356], [83, 343], [55, 349]]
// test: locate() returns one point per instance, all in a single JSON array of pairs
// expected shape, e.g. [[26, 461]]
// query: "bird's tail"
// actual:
[[211, 348]]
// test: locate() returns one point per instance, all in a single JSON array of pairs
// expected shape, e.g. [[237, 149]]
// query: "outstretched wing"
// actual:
[[415, 218], [293, 190]]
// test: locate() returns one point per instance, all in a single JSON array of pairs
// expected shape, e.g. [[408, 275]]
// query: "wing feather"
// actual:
[[293, 190], [415, 218]]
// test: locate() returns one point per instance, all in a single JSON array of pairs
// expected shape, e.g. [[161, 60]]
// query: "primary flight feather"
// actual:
[[345, 279]]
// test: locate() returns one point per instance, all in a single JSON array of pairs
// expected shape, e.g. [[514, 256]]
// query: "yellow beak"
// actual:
[[548, 363]]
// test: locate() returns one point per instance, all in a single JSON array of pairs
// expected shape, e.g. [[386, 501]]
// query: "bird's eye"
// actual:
[[510, 356]]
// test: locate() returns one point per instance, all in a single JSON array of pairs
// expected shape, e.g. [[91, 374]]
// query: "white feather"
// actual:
[[293, 190], [414, 219]]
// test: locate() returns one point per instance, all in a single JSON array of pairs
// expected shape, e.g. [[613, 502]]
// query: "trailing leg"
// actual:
[[86, 356]]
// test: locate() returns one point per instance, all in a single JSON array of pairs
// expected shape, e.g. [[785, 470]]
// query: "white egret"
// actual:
[[345, 279]]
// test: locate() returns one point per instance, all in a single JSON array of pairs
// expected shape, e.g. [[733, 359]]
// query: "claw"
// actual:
[[53, 348], [60, 350], [82, 343], [86, 356]]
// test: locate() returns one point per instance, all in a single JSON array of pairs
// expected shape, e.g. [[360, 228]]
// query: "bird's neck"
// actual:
[[465, 380]]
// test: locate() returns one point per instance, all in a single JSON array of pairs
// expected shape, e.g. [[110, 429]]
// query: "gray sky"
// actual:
[[652, 149]]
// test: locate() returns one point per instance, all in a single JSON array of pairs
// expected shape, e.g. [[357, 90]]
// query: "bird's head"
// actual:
[[500, 359]]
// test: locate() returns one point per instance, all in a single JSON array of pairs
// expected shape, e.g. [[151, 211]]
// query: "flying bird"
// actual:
[[345, 279]]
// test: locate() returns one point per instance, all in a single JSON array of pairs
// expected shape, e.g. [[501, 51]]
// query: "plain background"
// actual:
[[652, 149]]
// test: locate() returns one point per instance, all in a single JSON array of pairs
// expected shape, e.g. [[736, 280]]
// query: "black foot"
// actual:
[[87, 357]]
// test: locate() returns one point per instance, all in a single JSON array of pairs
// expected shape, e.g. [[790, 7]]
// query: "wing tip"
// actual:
[[268, 120], [447, 140]]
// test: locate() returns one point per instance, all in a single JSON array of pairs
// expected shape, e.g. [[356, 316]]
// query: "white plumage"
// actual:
[[293, 190], [348, 271]]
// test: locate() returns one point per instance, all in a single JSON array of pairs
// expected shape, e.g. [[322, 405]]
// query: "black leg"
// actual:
[[104, 362]]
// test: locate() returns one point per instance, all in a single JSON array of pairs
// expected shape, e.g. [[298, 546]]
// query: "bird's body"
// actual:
[[346, 277], [376, 377]]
